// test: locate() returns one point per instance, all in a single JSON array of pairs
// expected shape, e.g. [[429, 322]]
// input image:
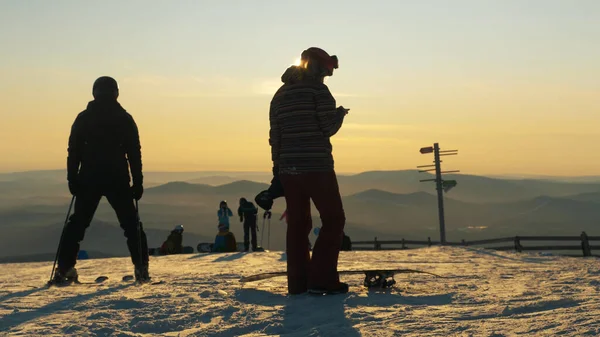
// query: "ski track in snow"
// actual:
[[487, 293]]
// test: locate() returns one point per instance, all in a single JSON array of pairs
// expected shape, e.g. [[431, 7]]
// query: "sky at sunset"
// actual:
[[513, 84]]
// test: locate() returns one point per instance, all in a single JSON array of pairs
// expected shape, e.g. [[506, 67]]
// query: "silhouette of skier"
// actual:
[[247, 213], [104, 146]]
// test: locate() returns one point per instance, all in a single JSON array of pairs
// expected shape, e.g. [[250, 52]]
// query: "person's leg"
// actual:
[[253, 232], [325, 194], [121, 200], [246, 235], [298, 229], [86, 203]]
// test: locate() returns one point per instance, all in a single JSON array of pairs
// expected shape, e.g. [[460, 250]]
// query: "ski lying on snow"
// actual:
[[98, 280]]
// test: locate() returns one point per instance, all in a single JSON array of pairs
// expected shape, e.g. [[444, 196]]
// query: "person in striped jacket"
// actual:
[[303, 116]]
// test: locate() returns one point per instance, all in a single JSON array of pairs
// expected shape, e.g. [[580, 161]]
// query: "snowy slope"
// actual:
[[487, 293]]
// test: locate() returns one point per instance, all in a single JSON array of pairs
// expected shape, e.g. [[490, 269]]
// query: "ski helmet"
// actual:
[[178, 228], [105, 87], [324, 62]]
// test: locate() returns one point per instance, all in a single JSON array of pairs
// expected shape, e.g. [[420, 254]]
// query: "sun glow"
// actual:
[[296, 62]]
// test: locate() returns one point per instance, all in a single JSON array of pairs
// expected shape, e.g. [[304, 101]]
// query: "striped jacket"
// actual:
[[303, 116]]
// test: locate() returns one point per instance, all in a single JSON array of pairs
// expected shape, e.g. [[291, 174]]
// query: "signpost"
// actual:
[[441, 184]]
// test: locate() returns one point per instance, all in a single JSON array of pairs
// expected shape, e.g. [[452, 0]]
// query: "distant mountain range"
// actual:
[[100, 237], [242, 187], [386, 204]]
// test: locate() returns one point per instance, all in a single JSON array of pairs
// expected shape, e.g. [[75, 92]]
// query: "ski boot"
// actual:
[[141, 274], [64, 278]]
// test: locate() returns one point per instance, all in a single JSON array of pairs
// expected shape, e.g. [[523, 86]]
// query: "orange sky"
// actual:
[[513, 87]]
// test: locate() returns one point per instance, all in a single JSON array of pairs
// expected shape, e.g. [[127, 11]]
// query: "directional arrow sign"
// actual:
[[447, 185], [428, 149]]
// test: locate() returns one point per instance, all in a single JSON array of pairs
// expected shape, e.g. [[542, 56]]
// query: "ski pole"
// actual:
[[139, 230], [262, 232], [269, 230], [61, 239]]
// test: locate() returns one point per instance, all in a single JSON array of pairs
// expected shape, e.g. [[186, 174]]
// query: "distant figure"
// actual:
[[82, 255], [247, 213], [346, 243], [224, 241], [174, 242], [104, 145], [224, 213], [303, 116]]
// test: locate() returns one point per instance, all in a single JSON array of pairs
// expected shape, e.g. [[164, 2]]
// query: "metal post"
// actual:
[[440, 192]]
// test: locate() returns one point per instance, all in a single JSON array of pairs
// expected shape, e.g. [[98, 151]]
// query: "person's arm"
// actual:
[[74, 150], [330, 118], [274, 132], [229, 212], [240, 214], [134, 153]]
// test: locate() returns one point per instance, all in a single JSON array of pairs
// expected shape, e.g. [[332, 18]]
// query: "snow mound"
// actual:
[[486, 293]]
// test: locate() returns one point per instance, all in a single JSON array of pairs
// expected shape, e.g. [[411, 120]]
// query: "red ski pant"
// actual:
[[320, 271]]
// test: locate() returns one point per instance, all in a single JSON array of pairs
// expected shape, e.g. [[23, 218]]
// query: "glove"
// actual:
[[73, 186], [137, 191], [264, 200]]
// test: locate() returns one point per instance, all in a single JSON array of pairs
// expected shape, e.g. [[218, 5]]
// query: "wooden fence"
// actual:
[[516, 244]]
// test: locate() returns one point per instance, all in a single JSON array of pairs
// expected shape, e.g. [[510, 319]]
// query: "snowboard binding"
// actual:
[[377, 279]]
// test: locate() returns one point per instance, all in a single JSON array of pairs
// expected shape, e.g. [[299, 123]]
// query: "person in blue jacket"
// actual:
[[225, 240], [224, 213]]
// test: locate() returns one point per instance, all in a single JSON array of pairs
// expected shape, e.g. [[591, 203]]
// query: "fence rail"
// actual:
[[584, 243]]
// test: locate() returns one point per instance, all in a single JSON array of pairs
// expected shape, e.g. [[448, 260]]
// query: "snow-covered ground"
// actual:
[[487, 293]]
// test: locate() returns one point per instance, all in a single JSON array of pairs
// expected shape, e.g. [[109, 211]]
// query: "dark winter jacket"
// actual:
[[104, 139], [173, 244], [247, 212], [303, 116]]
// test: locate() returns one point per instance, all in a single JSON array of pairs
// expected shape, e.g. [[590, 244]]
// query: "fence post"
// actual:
[[403, 246], [429, 240], [518, 246], [585, 245]]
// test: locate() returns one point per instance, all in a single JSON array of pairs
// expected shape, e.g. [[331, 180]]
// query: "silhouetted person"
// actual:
[[303, 116], [104, 146], [223, 214], [247, 213], [174, 242]]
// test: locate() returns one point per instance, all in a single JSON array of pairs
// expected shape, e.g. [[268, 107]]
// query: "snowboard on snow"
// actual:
[[156, 251], [207, 247], [374, 278], [204, 247]]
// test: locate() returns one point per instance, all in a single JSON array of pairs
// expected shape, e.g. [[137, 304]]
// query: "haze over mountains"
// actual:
[[386, 204]]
